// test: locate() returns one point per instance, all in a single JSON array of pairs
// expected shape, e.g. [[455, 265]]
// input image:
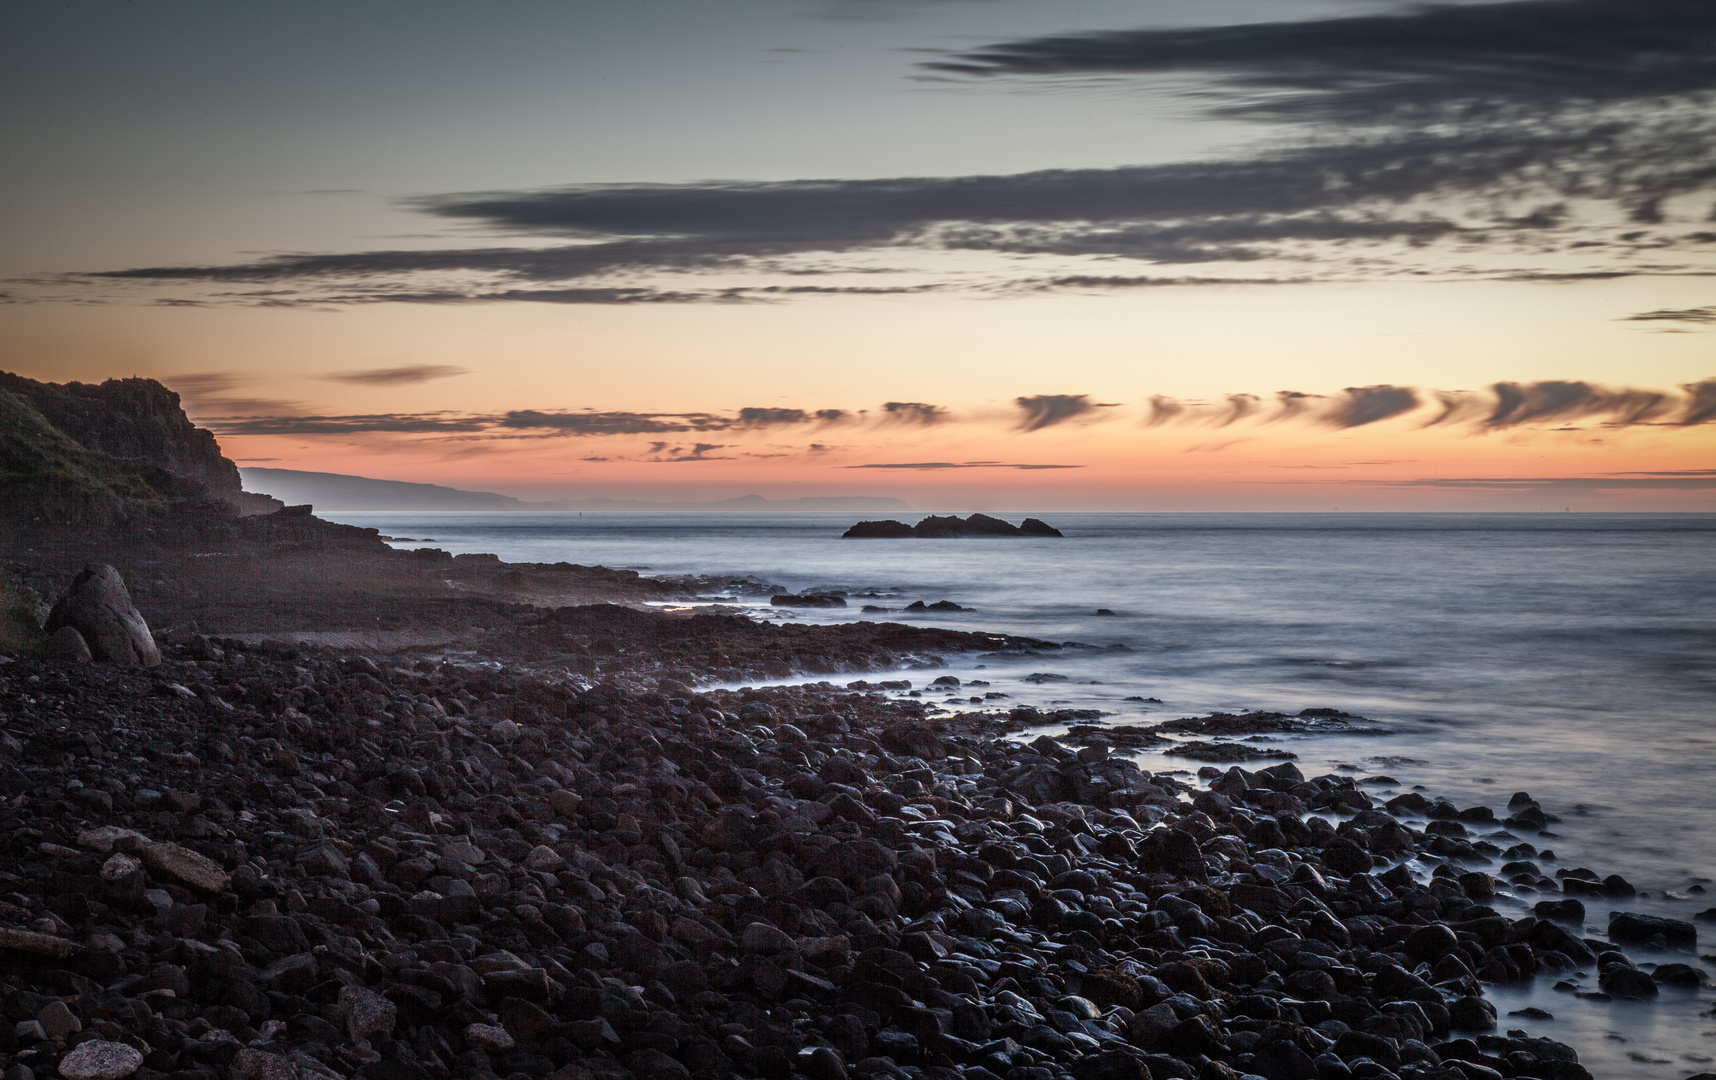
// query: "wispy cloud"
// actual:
[[204, 384], [374, 423], [397, 376], [914, 413]]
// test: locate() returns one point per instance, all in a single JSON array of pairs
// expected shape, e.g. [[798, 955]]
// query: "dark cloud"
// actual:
[[632, 423], [537, 423], [935, 465], [1291, 203], [914, 412], [560, 263], [1700, 316], [1046, 410], [1501, 406], [1700, 402], [764, 417], [397, 376], [1539, 53], [1360, 405], [395, 423], [1510, 404], [615, 423]]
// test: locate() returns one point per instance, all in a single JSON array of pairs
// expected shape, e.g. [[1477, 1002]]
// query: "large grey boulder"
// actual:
[[99, 608]]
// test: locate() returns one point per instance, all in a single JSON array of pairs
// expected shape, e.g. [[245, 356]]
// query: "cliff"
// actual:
[[76, 457]]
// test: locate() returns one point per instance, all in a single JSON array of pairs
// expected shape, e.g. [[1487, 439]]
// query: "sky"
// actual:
[[975, 254]]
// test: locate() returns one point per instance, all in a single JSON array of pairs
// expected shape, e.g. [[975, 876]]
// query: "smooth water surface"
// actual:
[[1572, 656]]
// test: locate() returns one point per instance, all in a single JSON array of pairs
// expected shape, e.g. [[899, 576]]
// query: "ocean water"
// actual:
[[1572, 656]]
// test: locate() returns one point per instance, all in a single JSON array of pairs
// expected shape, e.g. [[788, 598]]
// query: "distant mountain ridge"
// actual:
[[329, 492]]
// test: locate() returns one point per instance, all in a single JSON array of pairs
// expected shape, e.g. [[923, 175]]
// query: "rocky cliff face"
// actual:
[[78, 456]]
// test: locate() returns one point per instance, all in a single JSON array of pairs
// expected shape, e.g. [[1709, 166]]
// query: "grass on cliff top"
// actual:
[[46, 476]]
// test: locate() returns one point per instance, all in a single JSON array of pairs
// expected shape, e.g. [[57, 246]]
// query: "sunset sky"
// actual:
[[975, 254]]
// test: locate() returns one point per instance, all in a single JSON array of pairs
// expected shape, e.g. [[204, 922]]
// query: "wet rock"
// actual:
[[1627, 982], [1682, 975], [1632, 928], [1567, 911], [1346, 858], [812, 600], [1471, 1013]]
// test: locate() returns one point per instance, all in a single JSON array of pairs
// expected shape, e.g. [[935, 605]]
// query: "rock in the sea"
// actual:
[[810, 600], [951, 526], [1627, 982], [99, 608], [99, 1059], [1627, 926], [939, 605], [878, 530]]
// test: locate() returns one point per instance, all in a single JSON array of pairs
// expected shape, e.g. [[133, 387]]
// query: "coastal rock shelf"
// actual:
[[946, 528], [278, 861]]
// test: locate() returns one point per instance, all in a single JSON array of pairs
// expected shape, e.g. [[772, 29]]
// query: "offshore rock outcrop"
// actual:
[[948, 528]]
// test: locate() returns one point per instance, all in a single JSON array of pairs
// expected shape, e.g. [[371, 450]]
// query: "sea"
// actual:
[[1571, 656]]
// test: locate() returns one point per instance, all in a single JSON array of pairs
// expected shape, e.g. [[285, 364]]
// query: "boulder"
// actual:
[[1632, 928], [99, 1059], [67, 646], [98, 607], [367, 1014]]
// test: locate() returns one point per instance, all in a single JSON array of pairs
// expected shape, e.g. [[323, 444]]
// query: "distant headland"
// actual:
[[336, 492]]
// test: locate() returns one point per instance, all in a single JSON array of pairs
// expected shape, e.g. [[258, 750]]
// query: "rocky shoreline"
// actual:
[[273, 860]]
